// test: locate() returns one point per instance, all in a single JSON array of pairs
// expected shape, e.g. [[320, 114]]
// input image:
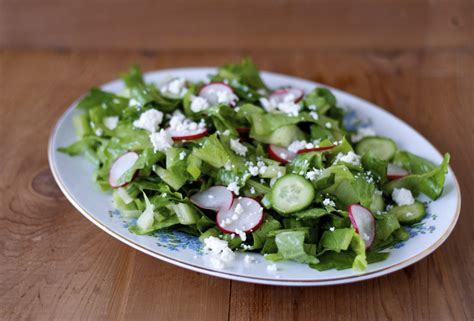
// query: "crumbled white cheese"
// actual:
[[233, 187], [297, 145], [267, 106], [402, 196], [182, 156], [220, 96], [241, 234], [312, 107], [238, 148], [111, 122], [161, 140], [99, 131], [252, 190], [314, 174], [272, 268], [133, 103], [332, 228], [149, 120], [245, 246], [286, 105], [198, 104], [248, 259], [329, 202], [350, 158], [182, 125], [314, 115], [362, 133], [220, 255], [175, 87], [291, 108], [228, 165], [328, 125]]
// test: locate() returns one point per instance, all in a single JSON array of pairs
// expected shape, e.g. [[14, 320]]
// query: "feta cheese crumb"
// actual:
[[402, 196], [149, 120], [286, 104], [252, 190], [182, 156], [314, 174], [99, 131], [238, 148], [248, 259], [233, 187], [332, 228], [182, 125], [362, 133], [297, 145], [350, 158], [111, 122], [241, 234], [328, 125], [161, 140], [272, 268], [329, 202], [198, 104], [175, 87], [220, 255], [314, 115]]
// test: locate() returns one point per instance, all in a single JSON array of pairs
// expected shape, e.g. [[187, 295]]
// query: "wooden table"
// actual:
[[54, 264]]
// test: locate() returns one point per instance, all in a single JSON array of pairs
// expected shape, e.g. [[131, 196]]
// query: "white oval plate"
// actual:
[[74, 177]]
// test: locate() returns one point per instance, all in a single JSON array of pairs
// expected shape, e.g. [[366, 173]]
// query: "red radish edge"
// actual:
[[395, 172], [218, 193], [196, 135], [315, 149], [358, 212], [243, 130], [212, 84], [275, 153], [240, 224], [120, 165], [284, 91]]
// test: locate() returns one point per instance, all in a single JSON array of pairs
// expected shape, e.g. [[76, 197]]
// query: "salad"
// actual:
[[247, 168]]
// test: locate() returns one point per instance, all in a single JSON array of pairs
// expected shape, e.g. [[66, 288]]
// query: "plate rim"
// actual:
[[233, 276]]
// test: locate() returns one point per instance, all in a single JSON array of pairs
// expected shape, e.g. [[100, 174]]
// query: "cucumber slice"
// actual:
[[283, 136], [186, 214], [291, 193], [409, 214], [383, 148]]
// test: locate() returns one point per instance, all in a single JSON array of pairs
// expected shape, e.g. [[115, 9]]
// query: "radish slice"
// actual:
[[280, 154], [363, 222], [286, 95], [245, 215], [243, 130], [395, 172], [122, 164], [214, 198], [188, 135], [211, 92], [315, 149]]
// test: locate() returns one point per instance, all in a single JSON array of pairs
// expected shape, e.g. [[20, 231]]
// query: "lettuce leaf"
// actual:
[[290, 246], [426, 179]]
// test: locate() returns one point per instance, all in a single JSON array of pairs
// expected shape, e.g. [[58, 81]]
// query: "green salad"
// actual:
[[247, 168]]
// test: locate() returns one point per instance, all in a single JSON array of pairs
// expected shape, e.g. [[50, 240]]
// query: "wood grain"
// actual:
[[55, 265], [243, 24]]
